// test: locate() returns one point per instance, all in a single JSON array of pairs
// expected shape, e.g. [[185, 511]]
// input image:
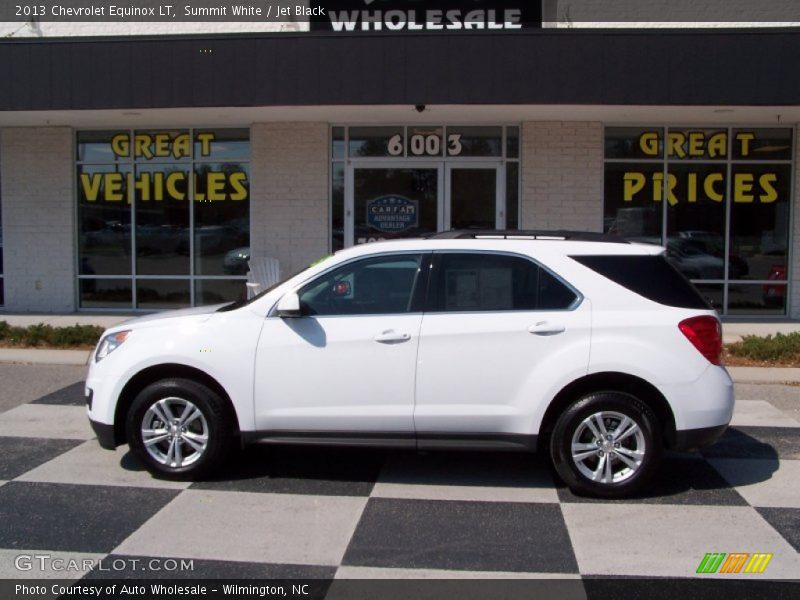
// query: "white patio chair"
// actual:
[[264, 272]]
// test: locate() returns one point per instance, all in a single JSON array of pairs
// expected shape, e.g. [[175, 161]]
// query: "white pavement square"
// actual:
[[479, 480], [89, 464], [670, 541], [757, 413], [387, 573], [46, 421], [758, 481], [243, 526]]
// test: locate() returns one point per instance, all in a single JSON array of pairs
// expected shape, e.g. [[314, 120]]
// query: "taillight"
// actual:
[[705, 333]]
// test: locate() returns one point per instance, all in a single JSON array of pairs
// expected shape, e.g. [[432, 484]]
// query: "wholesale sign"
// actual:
[[428, 15]]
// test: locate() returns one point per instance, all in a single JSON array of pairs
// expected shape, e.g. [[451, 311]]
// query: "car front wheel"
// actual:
[[178, 429], [606, 445]]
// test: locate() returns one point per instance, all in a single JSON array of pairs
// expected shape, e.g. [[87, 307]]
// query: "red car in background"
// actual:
[[775, 294]]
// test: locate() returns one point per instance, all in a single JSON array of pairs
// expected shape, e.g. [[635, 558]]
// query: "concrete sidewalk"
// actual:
[[39, 356], [765, 375]]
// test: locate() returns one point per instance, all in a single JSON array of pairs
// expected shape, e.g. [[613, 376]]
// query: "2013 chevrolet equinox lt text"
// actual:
[[597, 352]]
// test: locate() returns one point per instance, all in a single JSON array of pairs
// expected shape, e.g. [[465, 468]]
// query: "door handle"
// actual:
[[545, 328], [390, 336]]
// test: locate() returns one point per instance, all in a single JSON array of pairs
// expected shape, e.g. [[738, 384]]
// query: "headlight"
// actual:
[[110, 343]]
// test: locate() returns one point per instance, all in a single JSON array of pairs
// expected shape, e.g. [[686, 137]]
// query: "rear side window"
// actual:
[[649, 276], [464, 282]]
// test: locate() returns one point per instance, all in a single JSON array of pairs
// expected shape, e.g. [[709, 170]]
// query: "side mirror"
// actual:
[[289, 306]]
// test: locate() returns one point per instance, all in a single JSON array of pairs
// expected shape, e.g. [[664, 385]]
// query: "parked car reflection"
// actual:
[[235, 261], [713, 243], [693, 262]]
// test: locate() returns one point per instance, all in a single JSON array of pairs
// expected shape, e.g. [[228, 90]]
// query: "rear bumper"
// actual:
[[691, 439], [705, 403], [105, 435]]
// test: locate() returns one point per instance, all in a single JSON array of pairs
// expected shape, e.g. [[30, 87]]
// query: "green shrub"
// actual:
[[37, 334], [49, 336], [777, 348], [75, 335]]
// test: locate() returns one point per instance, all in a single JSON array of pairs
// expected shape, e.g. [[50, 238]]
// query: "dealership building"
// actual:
[[140, 172]]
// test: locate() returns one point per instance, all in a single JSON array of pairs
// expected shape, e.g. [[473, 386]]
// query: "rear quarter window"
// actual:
[[649, 276]]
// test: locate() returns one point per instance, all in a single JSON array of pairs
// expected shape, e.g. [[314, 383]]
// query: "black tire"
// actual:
[[214, 423], [624, 480]]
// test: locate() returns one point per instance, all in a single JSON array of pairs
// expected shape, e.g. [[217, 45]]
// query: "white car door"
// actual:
[[347, 365], [499, 330]]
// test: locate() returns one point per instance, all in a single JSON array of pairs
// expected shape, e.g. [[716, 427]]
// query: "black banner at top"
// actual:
[[406, 15]]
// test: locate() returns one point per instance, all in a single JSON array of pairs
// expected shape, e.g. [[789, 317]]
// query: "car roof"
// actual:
[[519, 243]]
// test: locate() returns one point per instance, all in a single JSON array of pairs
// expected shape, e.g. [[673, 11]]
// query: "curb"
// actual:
[[764, 374], [38, 356]]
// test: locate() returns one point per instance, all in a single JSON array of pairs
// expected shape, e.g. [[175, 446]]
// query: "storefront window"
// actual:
[[512, 195], [163, 217], [2, 291], [375, 141], [475, 141], [717, 198], [337, 206]]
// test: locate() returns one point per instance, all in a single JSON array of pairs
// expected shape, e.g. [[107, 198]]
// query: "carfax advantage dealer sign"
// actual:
[[427, 15]]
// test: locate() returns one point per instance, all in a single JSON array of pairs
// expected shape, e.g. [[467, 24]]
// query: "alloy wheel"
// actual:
[[175, 432], [608, 447]]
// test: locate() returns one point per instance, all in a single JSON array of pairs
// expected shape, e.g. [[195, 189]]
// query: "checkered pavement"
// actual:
[[283, 512]]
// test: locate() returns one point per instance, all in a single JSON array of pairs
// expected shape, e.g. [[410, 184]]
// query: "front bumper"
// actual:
[[106, 435]]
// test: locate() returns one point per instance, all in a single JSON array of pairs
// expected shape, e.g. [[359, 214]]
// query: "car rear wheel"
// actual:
[[606, 445], [179, 429]]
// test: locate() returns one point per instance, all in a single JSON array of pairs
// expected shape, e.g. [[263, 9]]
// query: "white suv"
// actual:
[[596, 351]]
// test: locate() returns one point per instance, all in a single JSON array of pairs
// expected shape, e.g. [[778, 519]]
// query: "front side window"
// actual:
[[373, 286], [494, 282]]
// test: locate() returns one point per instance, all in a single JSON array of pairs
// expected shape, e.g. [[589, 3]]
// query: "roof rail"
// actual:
[[557, 234]]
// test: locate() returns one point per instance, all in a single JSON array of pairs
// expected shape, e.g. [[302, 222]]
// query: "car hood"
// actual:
[[173, 314]]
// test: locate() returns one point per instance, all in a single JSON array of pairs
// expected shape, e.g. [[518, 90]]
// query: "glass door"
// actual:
[[475, 197], [387, 203]]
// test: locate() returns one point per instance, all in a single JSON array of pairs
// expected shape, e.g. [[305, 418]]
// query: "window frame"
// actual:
[[434, 270]]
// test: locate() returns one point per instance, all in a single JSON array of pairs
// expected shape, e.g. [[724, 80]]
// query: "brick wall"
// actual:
[[38, 219], [289, 192], [562, 175]]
